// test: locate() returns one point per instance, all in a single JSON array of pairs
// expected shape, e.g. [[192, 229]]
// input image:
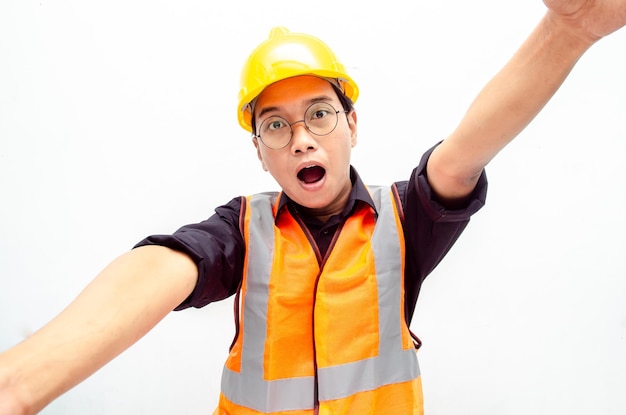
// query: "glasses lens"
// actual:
[[275, 132], [321, 118]]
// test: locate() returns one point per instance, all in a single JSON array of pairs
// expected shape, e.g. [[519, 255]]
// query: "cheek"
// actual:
[[270, 162], [262, 158], [345, 148]]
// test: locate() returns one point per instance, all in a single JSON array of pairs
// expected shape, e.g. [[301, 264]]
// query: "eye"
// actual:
[[273, 124], [320, 113]]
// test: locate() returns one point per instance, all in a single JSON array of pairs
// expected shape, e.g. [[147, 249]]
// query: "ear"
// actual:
[[351, 116], [255, 141]]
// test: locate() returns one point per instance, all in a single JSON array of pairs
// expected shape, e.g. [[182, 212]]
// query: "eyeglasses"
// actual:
[[320, 119]]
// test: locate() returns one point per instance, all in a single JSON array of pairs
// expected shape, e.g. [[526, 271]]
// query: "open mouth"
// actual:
[[311, 174]]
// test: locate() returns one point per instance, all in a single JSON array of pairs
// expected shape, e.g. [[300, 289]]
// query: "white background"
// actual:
[[117, 120]]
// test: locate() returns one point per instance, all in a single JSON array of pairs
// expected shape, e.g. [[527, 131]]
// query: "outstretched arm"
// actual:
[[516, 94], [122, 304]]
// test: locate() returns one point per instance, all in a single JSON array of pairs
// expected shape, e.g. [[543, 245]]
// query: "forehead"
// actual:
[[294, 93]]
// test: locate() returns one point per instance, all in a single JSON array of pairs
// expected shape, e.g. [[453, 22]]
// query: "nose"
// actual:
[[301, 138]]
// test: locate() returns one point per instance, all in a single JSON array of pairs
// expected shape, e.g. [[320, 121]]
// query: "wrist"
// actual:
[[572, 34], [10, 403]]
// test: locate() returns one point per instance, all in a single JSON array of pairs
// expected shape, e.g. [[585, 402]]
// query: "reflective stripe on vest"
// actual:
[[395, 361]]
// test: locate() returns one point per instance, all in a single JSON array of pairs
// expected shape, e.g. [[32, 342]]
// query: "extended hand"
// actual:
[[592, 19]]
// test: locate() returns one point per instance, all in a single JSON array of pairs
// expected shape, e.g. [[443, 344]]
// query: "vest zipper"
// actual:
[[316, 398], [321, 261]]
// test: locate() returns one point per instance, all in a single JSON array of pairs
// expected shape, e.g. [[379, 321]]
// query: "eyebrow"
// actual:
[[321, 98]]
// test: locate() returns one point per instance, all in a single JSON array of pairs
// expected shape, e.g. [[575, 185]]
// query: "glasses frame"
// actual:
[[258, 136]]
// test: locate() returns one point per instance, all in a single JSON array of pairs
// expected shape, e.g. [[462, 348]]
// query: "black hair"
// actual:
[[346, 102]]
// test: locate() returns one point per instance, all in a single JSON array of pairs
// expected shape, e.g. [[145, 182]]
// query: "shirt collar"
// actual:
[[358, 193]]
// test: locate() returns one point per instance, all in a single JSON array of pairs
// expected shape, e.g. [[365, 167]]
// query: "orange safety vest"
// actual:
[[322, 335]]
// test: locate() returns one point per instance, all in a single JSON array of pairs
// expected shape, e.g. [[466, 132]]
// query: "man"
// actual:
[[139, 288]]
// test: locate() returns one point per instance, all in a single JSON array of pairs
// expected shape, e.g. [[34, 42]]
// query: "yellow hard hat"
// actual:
[[285, 55]]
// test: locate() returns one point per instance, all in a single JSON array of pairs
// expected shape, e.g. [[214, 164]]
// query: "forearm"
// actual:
[[506, 105], [122, 303]]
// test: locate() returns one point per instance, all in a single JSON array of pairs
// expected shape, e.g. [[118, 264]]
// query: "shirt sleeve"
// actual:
[[430, 229], [217, 248]]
